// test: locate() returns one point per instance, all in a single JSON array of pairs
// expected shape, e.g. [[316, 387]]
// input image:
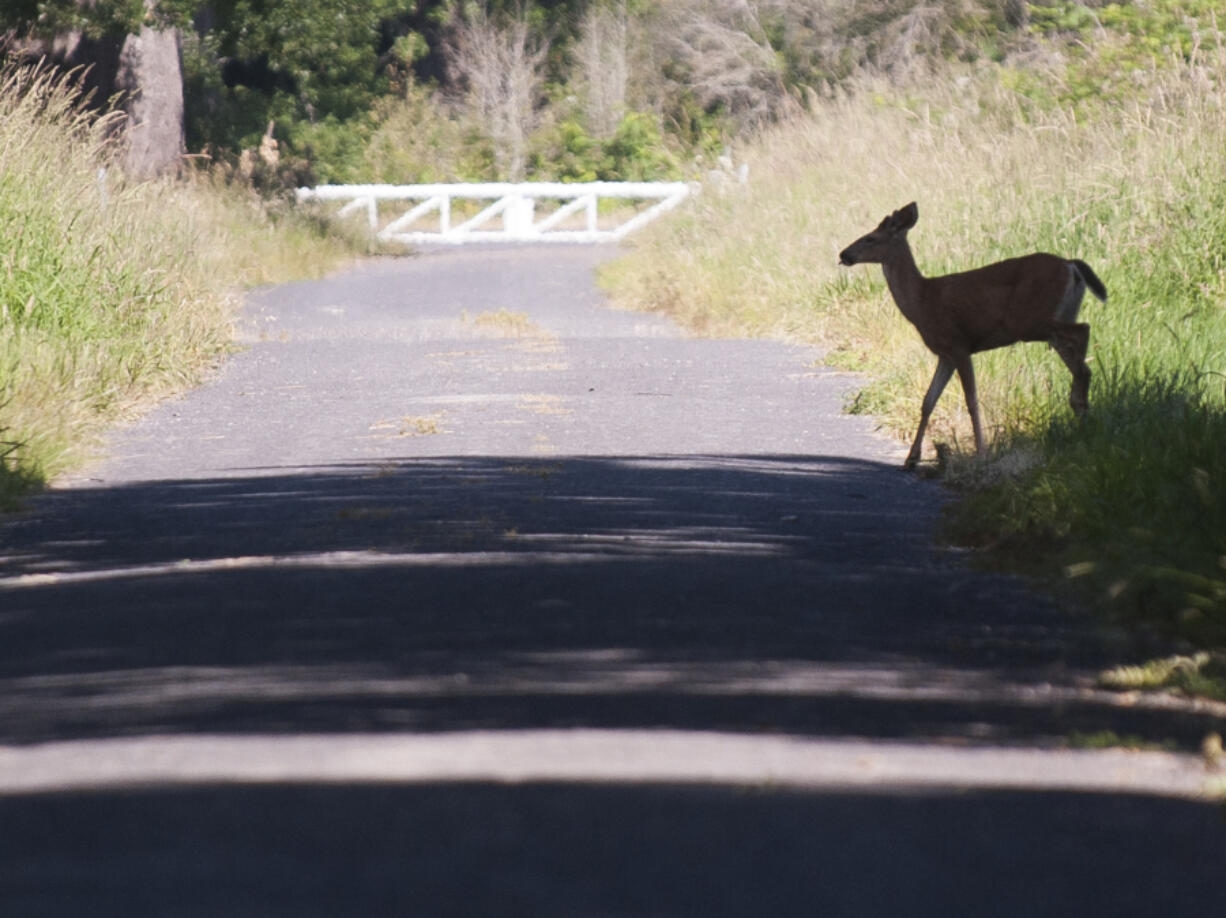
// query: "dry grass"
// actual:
[[994, 177], [504, 323], [111, 294], [1138, 492]]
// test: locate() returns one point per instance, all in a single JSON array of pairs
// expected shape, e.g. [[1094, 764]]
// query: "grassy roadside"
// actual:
[[111, 294], [1129, 508]]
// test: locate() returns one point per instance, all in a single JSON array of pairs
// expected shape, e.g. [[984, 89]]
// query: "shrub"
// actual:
[[111, 293]]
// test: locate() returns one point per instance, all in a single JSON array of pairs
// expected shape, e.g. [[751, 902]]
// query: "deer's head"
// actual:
[[876, 247]]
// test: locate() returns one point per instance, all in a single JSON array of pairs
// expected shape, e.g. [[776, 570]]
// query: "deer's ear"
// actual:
[[906, 217]]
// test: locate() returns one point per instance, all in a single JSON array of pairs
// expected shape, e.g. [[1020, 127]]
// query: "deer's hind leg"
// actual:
[[966, 373], [1070, 341]]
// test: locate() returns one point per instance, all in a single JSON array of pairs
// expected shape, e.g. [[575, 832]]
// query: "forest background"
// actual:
[[429, 90], [1096, 130]]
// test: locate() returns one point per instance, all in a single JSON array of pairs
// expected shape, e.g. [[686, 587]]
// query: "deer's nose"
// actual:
[[845, 257]]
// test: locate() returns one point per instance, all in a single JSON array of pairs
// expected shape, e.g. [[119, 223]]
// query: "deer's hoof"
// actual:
[[910, 463], [1079, 398]]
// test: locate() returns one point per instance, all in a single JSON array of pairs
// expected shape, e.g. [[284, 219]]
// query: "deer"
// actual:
[[1031, 298]]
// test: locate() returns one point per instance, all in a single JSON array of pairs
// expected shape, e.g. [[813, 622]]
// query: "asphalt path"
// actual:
[[456, 592]]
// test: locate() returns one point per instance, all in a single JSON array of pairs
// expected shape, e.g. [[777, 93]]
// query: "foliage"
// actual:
[[310, 68], [1131, 502], [319, 71], [247, 70], [635, 152], [415, 139], [110, 293], [97, 19], [1156, 28], [419, 140], [1112, 52], [500, 65]]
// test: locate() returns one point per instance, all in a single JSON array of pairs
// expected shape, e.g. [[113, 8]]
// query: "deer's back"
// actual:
[[998, 304]]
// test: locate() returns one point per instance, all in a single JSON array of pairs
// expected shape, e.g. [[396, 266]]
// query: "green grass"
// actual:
[[1133, 500], [1109, 739], [112, 294]]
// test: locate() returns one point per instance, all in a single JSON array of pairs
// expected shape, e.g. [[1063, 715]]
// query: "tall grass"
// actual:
[[110, 293], [1135, 499]]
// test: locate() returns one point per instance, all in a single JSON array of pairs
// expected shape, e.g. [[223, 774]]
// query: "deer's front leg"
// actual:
[[940, 378]]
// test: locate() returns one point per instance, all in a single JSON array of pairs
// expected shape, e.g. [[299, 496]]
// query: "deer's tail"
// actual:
[[1097, 287]]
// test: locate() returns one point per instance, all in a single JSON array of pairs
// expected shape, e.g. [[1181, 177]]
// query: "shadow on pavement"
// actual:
[[575, 850], [741, 593], [734, 593]]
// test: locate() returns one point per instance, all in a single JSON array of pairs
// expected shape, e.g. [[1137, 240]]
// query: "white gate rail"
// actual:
[[515, 203]]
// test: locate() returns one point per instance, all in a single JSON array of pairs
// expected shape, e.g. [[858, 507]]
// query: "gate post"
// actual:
[[519, 215]]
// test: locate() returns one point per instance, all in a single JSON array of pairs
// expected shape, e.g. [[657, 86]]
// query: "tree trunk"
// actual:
[[151, 77], [146, 70]]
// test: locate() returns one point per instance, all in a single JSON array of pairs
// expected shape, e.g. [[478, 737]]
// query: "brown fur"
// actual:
[[1031, 298]]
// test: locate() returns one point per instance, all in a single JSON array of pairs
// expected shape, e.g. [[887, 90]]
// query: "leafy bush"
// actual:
[[416, 139], [636, 152]]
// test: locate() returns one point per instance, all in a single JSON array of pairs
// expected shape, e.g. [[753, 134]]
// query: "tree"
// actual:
[[310, 68], [150, 78], [129, 53], [500, 65], [603, 63], [721, 52]]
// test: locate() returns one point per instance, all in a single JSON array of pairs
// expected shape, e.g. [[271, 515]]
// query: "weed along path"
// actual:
[[456, 592]]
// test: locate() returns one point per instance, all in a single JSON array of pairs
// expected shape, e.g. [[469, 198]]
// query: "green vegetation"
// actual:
[[1129, 507], [1110, 48], [111, 293], [408, 90], [1109, 739], [1201, 674]]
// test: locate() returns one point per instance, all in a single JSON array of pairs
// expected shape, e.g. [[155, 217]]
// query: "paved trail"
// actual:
[[456, 592]]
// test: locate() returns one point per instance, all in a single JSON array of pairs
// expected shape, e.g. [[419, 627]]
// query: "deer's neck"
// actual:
[[904, 280]]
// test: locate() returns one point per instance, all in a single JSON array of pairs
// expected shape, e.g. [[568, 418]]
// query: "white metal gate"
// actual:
[[572, 210]]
